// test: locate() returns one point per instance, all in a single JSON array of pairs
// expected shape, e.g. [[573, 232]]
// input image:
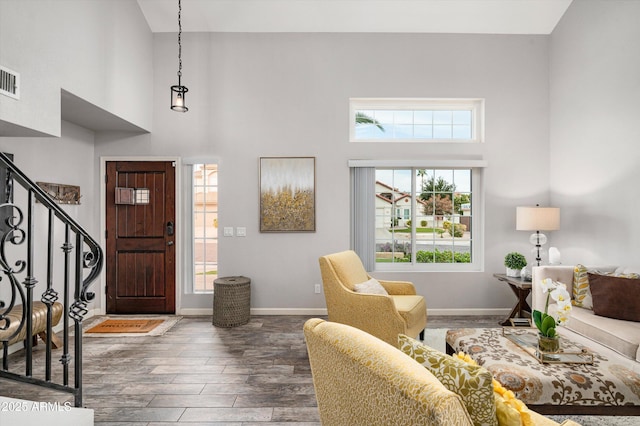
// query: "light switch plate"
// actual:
[[241, 231], [228, 231]]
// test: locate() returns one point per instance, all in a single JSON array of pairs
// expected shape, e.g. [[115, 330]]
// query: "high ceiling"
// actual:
[[403, 16]]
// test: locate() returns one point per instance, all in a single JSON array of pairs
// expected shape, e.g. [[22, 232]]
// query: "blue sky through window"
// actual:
[[416, 124]]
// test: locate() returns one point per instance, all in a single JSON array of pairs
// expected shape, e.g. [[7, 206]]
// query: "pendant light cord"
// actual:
[[178, 91], [179, 40]]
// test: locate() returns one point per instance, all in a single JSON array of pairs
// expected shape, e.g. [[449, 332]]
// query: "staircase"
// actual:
[[37, 280]]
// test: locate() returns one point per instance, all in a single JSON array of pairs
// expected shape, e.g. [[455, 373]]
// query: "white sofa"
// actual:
[[619, 335]]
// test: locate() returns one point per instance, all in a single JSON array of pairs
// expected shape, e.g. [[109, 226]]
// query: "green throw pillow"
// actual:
[[473, 383], [581, 291]]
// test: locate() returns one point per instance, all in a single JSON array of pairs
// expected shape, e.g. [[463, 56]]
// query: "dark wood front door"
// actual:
[[140, 203]]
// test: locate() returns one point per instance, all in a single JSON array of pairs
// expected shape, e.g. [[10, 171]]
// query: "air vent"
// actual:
[[9, 83]]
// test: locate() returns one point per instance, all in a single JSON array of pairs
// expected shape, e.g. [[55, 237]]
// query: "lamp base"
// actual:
[[538, 240]]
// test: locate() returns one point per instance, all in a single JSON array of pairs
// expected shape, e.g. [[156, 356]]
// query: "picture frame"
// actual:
[[61, 193], [287, 194]]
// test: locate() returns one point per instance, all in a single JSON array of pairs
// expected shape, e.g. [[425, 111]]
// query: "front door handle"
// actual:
[[170, 228], [169, 243]]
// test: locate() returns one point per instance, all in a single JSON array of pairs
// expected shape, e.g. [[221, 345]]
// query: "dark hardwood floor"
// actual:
[[198, 374]]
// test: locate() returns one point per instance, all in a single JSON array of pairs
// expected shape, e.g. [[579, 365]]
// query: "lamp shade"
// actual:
[[537, 218]]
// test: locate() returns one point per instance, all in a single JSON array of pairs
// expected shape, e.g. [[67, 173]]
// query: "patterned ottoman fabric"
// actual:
[[613, 381]]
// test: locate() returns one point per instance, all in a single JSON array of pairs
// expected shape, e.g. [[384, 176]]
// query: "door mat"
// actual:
[[125, 326], [134, 326]]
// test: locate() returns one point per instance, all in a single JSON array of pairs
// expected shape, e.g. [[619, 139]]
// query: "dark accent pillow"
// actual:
[[615, 297]]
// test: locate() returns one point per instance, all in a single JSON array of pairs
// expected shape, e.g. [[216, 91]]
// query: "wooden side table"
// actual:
[[521, 289]]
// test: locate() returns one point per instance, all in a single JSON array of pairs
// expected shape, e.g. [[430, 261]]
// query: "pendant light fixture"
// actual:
[[179, 92]]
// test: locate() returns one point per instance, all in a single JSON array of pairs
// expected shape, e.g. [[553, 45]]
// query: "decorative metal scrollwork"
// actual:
[[49, 297], [66, 359], [12, 235], [91, 259], [18, 281], [78, 310]]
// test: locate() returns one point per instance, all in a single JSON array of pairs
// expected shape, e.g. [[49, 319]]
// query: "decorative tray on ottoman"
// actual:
[[527, 340]]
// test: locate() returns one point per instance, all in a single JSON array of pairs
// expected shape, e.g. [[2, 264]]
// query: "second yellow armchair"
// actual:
[[384, 316]]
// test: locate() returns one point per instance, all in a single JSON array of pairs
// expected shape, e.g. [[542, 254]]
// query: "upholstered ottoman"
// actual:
[[611, 385]]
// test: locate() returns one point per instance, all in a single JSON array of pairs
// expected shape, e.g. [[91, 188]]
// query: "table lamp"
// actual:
[[537, 219]]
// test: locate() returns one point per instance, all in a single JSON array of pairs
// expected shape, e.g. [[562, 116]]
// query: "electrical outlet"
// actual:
[[241, 231], [228, 231], [317, 288]]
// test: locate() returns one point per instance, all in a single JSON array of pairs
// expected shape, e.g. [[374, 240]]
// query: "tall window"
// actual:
[[205, 226], [416, 120], [424, 218]]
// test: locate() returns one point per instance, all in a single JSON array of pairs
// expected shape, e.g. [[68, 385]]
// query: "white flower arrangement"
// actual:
[[547, 321]]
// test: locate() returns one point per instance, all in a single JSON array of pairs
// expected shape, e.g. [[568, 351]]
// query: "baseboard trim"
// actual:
[[323, 311], [194, 312], [289, 311], [468, 312], [259, 311]]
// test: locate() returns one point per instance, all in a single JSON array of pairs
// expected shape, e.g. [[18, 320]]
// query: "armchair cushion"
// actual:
[[371, 286]]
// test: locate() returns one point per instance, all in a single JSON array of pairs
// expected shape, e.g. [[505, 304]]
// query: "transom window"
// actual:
[[418, 120]]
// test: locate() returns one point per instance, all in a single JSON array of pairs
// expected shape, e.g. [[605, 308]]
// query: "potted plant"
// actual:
[[514, 262], [546, 322]]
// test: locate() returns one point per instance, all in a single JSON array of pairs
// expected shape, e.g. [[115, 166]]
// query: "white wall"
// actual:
[[99, 50], [64, 160], [594, 133], [253, 95]]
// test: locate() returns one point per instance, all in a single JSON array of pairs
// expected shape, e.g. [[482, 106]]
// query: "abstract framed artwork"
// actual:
[[287, 194]]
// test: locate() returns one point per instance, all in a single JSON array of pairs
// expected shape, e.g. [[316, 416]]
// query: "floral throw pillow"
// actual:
[[509, 409], [581, 291], [473, 383]]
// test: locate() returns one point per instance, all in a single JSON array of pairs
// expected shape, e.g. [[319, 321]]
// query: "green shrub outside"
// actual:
[[446, 256], [458, 228]]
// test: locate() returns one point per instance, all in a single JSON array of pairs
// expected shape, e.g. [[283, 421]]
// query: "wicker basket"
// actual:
[[231, 301]]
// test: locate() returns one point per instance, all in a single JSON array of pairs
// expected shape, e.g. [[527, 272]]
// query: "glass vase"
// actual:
[[549, 344]]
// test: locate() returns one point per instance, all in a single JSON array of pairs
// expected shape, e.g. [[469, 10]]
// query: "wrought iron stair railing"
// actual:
[[24, 224]]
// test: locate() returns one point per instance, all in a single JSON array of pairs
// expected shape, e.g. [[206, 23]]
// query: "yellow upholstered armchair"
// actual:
[[360, 380], [384, 316]]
